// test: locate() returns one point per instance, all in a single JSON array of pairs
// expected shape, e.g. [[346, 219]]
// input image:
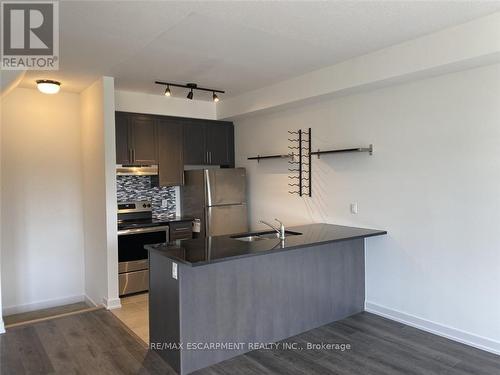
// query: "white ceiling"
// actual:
[[235, 46]]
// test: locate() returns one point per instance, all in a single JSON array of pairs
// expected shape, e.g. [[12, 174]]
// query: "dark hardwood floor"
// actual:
[[98, 343], [22, 318], [378, 346], [88, 343]]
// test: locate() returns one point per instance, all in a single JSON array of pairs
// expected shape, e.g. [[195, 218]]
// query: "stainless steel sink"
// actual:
[[258, 236], [249, 238]]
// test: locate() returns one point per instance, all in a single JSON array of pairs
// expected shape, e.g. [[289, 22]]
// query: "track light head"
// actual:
[[215, 97], [167, 91], [190, 95]]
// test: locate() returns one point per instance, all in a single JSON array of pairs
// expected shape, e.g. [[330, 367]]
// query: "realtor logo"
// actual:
[[30, 35]]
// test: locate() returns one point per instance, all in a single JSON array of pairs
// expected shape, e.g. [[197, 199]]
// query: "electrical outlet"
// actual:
[[174, 270], [354, 208], [164, 202]]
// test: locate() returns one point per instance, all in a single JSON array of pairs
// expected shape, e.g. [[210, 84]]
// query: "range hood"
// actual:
[[136, 170]]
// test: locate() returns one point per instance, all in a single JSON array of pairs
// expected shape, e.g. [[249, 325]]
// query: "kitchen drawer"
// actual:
[[181, 230], [133, 282]]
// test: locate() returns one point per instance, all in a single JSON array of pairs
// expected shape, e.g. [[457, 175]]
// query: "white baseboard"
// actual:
[[39, 305], [90, 301], [112, 303], [451, 333], [2, 327]]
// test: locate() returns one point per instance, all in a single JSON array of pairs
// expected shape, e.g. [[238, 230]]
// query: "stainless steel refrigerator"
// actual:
[[218, 198]]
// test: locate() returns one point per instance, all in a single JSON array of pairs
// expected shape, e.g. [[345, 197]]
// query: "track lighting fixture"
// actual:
[[191, 87], [167, 91]]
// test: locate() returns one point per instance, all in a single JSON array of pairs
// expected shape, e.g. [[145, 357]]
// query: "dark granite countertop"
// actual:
[[202, 251]]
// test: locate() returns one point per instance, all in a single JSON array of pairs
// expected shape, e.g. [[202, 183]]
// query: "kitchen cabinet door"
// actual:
[[170, 154], [220, 143], [123, 151], [142, 130], [194, 144]]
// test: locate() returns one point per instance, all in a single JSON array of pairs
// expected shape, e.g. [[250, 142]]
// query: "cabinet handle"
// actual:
[[133, 155], [210, 155]]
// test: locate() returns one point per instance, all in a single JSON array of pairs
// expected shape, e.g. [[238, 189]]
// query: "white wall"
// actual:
[[10, 79], [161, 105], [99, 193], [433, 183], [42, 240], [2, 328], [109, 107]]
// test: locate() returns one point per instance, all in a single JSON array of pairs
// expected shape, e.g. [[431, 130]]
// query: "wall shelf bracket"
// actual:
[[368, 149], [264, 157]]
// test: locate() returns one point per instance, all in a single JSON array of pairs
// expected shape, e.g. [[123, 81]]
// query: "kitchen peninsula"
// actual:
[[253, 288]]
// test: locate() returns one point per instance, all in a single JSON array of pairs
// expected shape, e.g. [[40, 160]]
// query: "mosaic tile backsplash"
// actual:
[[137, 188]]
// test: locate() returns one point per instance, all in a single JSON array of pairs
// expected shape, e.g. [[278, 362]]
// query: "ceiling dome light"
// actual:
[[215, 97], [48, 86], [167, 91], [190, 95]]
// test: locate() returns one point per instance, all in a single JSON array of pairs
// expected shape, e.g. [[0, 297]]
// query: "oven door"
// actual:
[[133, 258]]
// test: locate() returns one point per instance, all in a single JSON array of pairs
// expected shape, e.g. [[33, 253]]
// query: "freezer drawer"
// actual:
[[133, 282], [222, 220]]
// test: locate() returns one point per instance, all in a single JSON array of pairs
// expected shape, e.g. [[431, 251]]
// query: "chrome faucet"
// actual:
[[280, 231]]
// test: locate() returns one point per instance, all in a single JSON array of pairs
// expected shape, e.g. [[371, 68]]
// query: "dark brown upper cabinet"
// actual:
[[143, 135], [220, 143], [136, 139], [170, 152], [194, 143], [209, 143], [123, 154], [172, 142]]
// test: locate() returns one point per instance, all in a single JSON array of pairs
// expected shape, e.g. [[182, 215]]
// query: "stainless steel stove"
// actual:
[[136, 228]]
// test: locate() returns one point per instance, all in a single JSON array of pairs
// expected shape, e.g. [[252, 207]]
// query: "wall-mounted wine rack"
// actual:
[[300, 162]]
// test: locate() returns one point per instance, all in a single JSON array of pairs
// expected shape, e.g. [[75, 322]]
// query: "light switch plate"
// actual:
[[354, 208], [174, 271]]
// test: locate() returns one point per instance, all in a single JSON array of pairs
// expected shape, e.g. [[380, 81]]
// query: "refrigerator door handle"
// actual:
[[207, 222], [208, 188]]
